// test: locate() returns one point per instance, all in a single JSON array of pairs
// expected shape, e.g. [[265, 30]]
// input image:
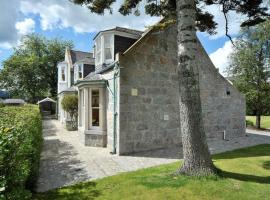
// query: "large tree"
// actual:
[[250, 68], [31, 72], [189, 16]]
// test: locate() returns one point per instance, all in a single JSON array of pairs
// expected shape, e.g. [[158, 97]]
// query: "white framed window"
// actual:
[[62, 74], [95, 108], [108, 48], [103, 50], [98, 51], [80, 71]]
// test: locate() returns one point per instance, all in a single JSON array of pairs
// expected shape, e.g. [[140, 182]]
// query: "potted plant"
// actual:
[[70, 105]]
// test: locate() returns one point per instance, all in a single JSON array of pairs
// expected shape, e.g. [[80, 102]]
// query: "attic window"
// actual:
[[108, 47], [228, 92], [80, 72], [104, 50], [63, 74]]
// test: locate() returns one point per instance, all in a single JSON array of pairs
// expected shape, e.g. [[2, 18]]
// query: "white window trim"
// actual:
[[60, 74], [102, 49], [76, 72]]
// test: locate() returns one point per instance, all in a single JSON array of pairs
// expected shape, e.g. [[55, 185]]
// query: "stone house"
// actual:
[[77, 65], [129, 102]]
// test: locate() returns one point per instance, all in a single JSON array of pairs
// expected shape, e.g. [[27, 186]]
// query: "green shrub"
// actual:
[[249, 123], [70, 105], [20, 147]]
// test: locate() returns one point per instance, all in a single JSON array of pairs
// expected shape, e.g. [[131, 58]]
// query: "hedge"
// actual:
[[20, 148]]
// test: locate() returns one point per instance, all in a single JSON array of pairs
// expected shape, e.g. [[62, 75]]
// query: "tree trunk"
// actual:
[[197, 160], [258, 120]]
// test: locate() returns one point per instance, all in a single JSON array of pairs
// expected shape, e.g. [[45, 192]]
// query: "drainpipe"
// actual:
[[114, 94], [116, 73]]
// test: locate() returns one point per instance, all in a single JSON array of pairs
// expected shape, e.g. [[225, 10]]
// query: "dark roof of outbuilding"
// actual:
[[79, 55], [14, 101], [121, 29]]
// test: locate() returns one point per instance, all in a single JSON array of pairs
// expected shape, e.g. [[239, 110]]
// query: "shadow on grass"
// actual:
[[246, 177], [83, 191], [255, 151], [266, 165]]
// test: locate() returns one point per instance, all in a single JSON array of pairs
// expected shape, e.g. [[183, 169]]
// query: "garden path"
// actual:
[[66, 161]]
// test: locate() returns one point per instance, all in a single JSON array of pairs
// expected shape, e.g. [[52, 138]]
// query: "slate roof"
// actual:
[[125, 30], [93, 77], [87, 60], [79, 55]]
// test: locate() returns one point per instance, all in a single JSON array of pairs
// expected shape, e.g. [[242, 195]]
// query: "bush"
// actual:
[[70, 105], [20, 147], [249, 123]]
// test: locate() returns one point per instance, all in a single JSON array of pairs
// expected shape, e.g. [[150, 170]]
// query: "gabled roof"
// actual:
[[79, 55], [134, 32], [46, 100]]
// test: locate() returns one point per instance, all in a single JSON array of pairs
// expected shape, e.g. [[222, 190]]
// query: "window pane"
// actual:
[[98, 44], [95, 107], [95, 117], [98, 57], [108, 53], [107, 40], [63, 75], [95, 98]]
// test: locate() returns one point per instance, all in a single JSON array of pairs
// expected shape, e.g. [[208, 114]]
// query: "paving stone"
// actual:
[[66, 161]]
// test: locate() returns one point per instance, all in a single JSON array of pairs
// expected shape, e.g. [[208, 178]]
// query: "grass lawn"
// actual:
[[265, 121], [246, 175]]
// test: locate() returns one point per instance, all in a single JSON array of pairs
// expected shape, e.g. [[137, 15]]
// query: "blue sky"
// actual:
[[60, 18]]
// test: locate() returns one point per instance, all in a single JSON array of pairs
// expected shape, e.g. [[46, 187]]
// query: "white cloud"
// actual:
[[64, 14], [26, 26], [220, 57], [234, 21], [8, 16]]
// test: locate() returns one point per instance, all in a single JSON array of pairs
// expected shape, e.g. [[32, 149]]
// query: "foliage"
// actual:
[[254, 10], [20, 147], [265, 121], [245, 175], [31, 72], [250, 67], [249, 123], [70, 105]]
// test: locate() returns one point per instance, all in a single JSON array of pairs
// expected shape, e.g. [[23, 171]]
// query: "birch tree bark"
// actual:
[[197, 160]]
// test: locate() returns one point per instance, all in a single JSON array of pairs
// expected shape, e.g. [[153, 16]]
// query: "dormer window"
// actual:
[[63, 73], [108, 46], [78, 72], [104, 49]]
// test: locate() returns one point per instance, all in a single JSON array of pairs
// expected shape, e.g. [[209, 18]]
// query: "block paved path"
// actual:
[[66, 161]]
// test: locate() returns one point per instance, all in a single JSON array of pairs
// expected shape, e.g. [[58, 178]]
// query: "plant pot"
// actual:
[[71, 126]]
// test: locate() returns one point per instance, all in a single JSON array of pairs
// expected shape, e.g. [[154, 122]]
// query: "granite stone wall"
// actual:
[[149, 92]]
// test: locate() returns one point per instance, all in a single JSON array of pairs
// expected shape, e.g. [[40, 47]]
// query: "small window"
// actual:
[[95, 107], [98, 50], [63, 74], [108, 47], [80, 71]]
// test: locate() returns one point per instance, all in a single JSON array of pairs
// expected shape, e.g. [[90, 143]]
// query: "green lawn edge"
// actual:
[[245, 175]]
